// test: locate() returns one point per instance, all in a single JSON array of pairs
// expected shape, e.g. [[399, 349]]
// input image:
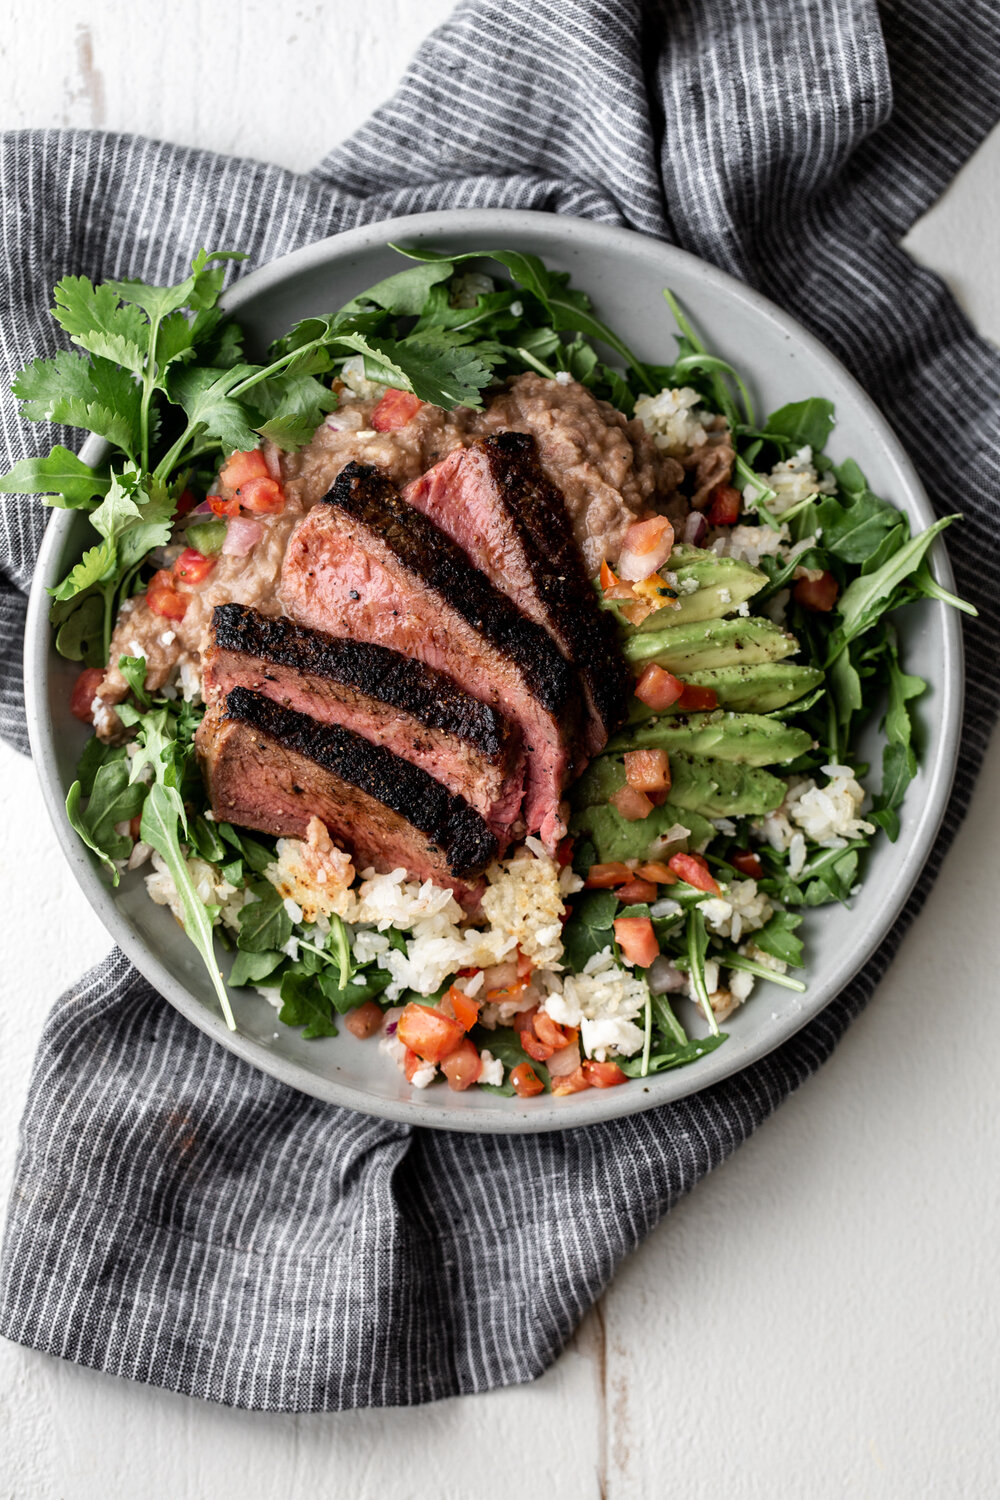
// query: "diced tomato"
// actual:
[[534, 1046], [636, 892], [603, 1075], [646, 548], [134, 825], [656, 871], [697, 699], [524, 965], [747, 864], [427, 1032], [632, 805], [603, 877], [262, 497], [725, 506], [657, 688], [693, 869], [648, 770], [186, 500], [526, 1081], [817, 594], [192, 566], [607, 579], [524, 1020], [241, 467], [82, 696], [163, 599], [564, 852], [463, 1066], [411, 1063], [637, 940], [620, 591], [571, 1083], [466, 1010], [364, 1020], [550, 1032], [395, 409], [220, 507]]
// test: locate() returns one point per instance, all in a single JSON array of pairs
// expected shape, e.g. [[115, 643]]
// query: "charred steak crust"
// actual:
[[446, 821], [538, 513], [385, 675], [364, 494]]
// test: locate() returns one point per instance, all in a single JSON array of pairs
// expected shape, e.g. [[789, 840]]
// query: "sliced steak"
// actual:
[[366, 565], [419, 714], [493, 499], [270, 768]]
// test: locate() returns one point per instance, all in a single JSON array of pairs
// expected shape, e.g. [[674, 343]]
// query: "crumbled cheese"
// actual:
[[492, 1068]]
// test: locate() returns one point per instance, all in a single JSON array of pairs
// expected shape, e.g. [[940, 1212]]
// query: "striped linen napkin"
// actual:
[[180, 1218]]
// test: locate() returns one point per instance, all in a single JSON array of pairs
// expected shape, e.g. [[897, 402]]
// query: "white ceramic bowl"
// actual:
[[624, 272]]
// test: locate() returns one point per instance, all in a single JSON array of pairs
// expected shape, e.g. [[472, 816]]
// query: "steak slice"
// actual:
[[493, 499], [270, 768], [420, 715], [366, 565]]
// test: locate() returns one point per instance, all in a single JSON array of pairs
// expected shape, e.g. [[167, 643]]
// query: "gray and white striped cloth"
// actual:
[[178, 1217]]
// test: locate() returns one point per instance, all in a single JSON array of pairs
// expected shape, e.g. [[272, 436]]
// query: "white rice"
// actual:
[[741, 908], [828, 816], [603, 1002], [675, 420], [792, 480]]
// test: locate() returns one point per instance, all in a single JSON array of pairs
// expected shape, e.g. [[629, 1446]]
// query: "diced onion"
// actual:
[[242, 536], [646, 548]]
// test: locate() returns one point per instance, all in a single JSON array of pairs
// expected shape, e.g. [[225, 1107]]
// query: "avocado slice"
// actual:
[[706, 645], [723, 584], [758, 689], [748, 739], [722, 788], [708, 586], [713, 788], [615, 838]]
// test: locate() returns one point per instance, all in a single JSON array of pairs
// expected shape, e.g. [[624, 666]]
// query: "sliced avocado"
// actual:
[[615, 838], [707, 645], [713, 788], [748, 739], [722, 788], [759, 689], [722, 585]]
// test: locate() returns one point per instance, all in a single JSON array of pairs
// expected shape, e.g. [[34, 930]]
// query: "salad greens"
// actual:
[[160, 374]]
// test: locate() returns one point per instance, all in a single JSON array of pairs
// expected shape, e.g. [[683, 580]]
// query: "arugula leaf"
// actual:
[[62, 474], [864, 600], [590, 929], [404, 294], [257, 855], [729, 960], [162, 818], [252, 968], [366, 986], [112, 799], [264, 923], [899, 760], [803, 423], [697, 947], [777, 938], [854, 530], [674, 1057], [303, 1003]]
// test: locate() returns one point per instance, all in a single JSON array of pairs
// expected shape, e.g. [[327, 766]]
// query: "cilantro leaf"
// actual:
[[75, 391], [443, 376], [62, 474], [96, 321], [205, 395]]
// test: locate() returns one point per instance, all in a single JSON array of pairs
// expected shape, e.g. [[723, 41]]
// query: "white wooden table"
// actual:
[[819, 1319]]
